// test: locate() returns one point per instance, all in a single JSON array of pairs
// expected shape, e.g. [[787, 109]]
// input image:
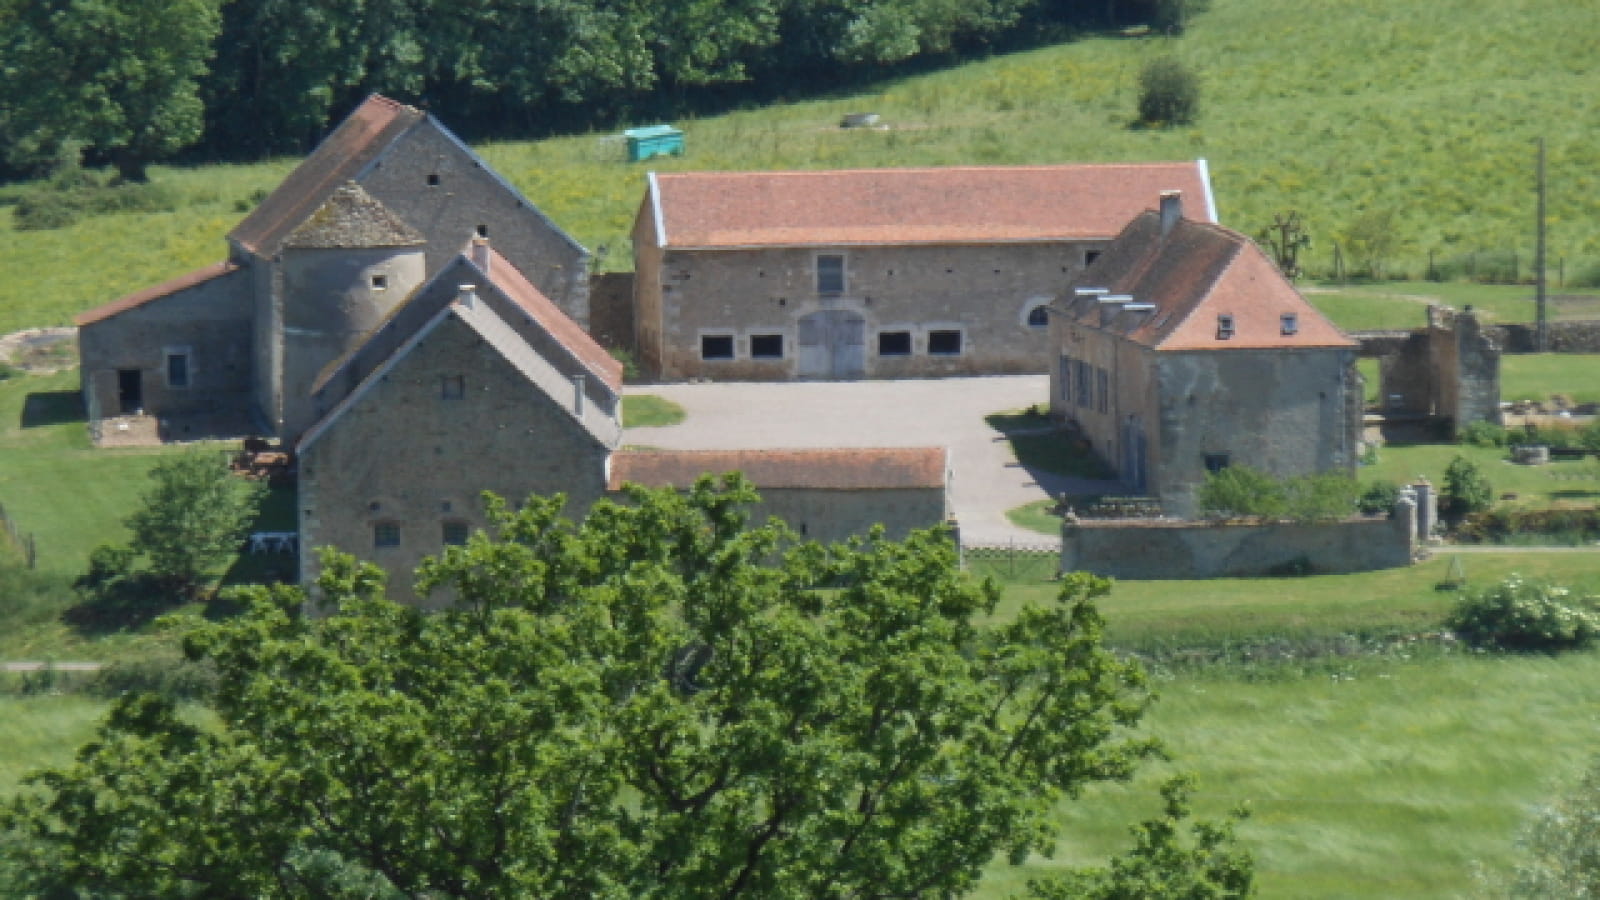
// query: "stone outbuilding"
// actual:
[[1187, 351], [387, 199], [824, 495], [880, 273]]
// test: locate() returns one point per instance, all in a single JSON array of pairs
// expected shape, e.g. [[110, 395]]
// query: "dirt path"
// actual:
[[40, 350]]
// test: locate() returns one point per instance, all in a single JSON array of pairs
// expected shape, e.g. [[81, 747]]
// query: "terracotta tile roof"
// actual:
[[971, 204], [164, 289], [511, 282], [353, 218], [1192, 275], [886, 468], [359, 139]]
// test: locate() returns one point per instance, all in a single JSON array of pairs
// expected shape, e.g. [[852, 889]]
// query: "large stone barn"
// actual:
[[880, 273]]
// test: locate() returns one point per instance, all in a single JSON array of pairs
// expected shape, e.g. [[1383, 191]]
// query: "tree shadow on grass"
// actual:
[[128, 603], [42, 408]]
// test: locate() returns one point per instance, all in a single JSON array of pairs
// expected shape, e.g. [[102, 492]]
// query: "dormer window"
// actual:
[[1288, 324], [1224, 327], [380, 282]]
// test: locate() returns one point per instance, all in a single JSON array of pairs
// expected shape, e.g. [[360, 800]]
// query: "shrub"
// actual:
[[1484, 434], [1321, 497], [1379, 498], [1525, 614], [1169, 92], [1465, 491], [1242, 491], [1561, 847]]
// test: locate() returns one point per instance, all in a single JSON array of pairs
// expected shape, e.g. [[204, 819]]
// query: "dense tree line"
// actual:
[[133, 81]]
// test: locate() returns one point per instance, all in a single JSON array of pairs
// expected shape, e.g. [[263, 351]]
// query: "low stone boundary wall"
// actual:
[[1142, 549]]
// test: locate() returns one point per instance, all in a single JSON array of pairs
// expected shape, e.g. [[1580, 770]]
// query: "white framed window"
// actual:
[[716, 346], [1224, 327], [1288, 324]]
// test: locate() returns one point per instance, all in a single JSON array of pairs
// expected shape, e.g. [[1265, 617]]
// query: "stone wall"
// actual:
[[1447, 371], [1565, 337], [611, 310], [1142, 549]]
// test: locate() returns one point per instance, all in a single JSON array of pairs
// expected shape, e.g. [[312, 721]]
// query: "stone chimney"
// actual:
[[1171, 210], [466, 295], [480, 254]]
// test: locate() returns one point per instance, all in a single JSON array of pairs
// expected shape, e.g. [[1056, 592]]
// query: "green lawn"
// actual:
[[1561, 483], [1539, 376], [650, 411], [1404, 304]]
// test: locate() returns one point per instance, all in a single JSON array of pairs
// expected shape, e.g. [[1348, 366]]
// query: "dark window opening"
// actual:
[[386, 534], [1089, 256], [830, 274], [130, 390], [766, 346], [1224, 327], [177, 370], [454, 533], [944, 343], [380, 282], [1038, 317], [1216, 462], [716, 346], [452, 387], [483, 231], [433, 179], [894, 343], [1288, 323]]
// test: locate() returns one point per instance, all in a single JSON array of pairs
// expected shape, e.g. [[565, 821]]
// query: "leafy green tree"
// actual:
[[1466, 490], [1371, 239], [659, 702], [120, 75], [192, 520], [1322, 497], [1169, 92], [1163, 865], [1561, 848]]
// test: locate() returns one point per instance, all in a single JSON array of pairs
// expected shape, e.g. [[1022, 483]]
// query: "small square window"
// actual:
[[433, 179], [766, 346], [177, 370], [830, 274], [716, 346], [454, 533], [894, 343], [1288, 323], [1224, 327], [380, 282], [452, 387], [944, 343], [1038, 317], [1089, 256], [1216, 462], [386, 534]]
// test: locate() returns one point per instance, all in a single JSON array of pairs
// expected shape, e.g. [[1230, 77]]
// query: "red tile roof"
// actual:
[[1191, 275], [967, 204], [359, 139], [164, 289], [887, 468], [568, 333]]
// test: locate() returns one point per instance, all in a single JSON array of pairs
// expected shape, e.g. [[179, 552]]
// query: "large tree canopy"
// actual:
[[120, 76], [659, 702]]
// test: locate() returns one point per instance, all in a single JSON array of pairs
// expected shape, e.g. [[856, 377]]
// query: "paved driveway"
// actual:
[[985, 481]]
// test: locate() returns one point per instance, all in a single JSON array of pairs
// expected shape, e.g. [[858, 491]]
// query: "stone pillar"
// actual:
[[1405, 512], [1427, 508]]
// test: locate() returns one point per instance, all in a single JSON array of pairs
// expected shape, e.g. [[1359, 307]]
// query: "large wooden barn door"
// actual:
[[832, 345]]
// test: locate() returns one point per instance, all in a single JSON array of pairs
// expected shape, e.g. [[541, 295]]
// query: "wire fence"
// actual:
[[1013, 560], [14, 536]]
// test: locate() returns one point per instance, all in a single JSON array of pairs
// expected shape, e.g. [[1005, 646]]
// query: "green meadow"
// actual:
[[1423, 112]]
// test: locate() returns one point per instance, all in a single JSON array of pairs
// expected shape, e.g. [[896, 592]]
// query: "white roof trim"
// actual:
[[655, 210], [1205, 181]]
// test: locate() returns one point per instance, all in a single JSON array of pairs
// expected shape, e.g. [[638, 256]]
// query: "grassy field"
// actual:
[[1335, 109], [1403, 304], [1561, 483], [1539, 376]]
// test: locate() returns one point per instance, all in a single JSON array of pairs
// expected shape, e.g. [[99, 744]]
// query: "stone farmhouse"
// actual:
[[884, 273], [231, 347], [1187, 351]]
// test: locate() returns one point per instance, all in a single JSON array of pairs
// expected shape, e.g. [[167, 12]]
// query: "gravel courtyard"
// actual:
[[948, 412]]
